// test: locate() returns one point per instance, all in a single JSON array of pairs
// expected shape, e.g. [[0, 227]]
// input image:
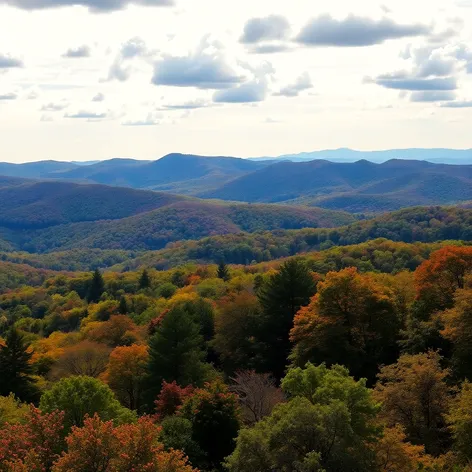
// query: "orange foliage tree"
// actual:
[[438, 278], [352, 320], [126, 372], [101, 447]]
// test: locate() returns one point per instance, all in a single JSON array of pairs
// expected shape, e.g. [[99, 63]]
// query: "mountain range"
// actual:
[[357, 187]]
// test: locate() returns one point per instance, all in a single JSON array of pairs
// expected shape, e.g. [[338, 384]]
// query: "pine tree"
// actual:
[[15, 368], [281, 298], [97, 287], [176, 353], [123, 306], [144, 281], [223, 272]]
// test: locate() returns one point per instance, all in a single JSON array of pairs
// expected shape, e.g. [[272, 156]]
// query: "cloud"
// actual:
[[206, 68], [98, 98], [46, 118], [120, 69], [273, 27], [77, 53], [355, 31], [293, 90], [190, 105], [8, 62], [151, 119], [458, 104], [87, 115], [271, 48], [250, 92], [92, 5], [405, 82], [8, 96], [432, 96], [55, 106]]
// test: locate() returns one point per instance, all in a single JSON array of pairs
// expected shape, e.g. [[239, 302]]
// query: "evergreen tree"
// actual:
[[281, 298], [144, 280], [223, 272], [176, 353], [123, 306], [97, 287], [15, 368]]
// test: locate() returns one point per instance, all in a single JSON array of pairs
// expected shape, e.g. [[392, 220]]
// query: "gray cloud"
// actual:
[[436, 66], [190, 105], [273, 27], [355, 31], [86, 115], [55, 106], [93, 5], [204, 69], [132, 49], [98, 98], [402, 81], [80, 52], [8, 62], [250, 92], [269, 48], [293, 90], [8, 96], [432, 96], [458, 104]]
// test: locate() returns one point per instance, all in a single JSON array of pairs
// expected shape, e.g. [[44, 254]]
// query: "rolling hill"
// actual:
[[46, 216], [412, 225], [356, 187], [177, 173]]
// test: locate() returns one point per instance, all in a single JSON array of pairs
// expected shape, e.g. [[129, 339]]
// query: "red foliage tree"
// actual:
[[170, 399], [33, 446]]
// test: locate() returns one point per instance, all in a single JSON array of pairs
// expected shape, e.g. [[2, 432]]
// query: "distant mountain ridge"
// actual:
[[434, 155], [362, 186]]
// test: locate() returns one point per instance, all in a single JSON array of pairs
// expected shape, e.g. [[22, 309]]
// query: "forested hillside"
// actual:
[[411, 225], [311, 361], [45, 216]]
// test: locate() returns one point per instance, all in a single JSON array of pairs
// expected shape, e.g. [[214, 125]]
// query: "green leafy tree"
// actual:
[[176, 353], [281, 298], [80, 396], [144, 280], [223, 271], [327, 426], [215, 417], [16, 371], [97, 287], [177, 434]]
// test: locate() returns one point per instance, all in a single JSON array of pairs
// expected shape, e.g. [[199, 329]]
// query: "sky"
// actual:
[[98, 79]]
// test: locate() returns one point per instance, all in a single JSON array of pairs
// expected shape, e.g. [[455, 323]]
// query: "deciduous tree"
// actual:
[[415, 395], [126, 372], [81, 396], [352, 320]]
